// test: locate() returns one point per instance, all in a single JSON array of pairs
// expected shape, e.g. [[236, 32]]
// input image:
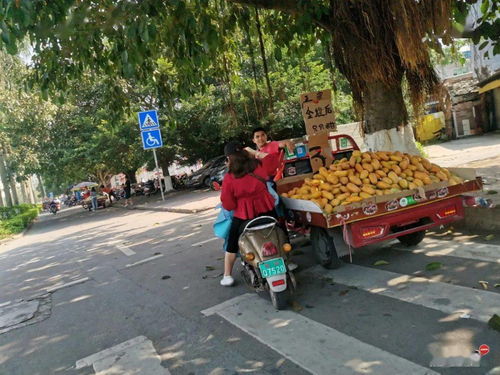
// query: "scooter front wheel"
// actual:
[[279, 299]]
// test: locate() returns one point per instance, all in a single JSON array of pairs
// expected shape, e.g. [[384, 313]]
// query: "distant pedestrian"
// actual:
[[93, 197], [109, 192], [128, 192], [86, 193]]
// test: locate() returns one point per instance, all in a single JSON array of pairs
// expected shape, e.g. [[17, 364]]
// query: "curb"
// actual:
[[168, 209], [487, 219], [19, 235]]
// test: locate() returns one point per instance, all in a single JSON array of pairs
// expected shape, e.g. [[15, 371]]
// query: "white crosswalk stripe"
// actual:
[[313, 346], [320, 349], [132, 357], [450, 299], [466, 250], [125, 250]]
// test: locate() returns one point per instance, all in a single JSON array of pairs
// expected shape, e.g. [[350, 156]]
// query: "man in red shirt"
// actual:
[[265, 147]]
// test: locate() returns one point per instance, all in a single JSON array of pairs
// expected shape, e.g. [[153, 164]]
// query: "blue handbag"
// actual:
[[223, 222]]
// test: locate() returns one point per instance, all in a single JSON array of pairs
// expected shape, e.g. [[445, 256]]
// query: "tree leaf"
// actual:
[[485, 6], [277, 54], [494, 322], [476, 37], [124, 56], [296, 306], [484, 284], [5, 37], [496, 49], [380, 263], [484, 45], [45, 94], [433, 266], [212, 38], [145, 34]]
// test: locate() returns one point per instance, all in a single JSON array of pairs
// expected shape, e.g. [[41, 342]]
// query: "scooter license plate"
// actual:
[[272, 267]]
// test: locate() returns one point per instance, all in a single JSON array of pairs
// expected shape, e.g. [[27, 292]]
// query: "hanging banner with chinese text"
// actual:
[[317, 111]]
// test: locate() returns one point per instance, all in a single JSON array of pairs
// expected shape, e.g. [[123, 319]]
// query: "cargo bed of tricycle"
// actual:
[[404, 215], [377, 206]]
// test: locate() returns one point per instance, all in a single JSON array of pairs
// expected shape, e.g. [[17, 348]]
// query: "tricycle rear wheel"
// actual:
[[412, 239], [324, 248]]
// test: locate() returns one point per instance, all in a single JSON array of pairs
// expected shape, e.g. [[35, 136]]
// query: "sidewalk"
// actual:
[[483, 154], [486, 218], [465, 150], [185, 201]]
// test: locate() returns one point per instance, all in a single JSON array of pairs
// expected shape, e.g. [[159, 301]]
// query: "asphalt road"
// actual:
[[137, 292]]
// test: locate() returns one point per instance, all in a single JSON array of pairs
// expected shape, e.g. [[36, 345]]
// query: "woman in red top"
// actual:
[[244, 192]]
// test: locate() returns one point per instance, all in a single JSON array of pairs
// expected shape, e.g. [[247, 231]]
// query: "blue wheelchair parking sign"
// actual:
[[151, 139]]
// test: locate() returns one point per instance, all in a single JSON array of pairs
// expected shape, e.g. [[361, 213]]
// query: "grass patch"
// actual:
[[421, 150], [15, 219]]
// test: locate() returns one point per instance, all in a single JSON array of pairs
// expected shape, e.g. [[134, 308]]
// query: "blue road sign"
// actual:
[[151, 139], [148, 120]]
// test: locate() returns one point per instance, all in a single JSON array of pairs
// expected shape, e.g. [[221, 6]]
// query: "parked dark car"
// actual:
[[217, 175], [202, 176]]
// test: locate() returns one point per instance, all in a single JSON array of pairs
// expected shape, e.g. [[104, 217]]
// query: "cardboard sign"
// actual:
[[320, 151], [317, 111]]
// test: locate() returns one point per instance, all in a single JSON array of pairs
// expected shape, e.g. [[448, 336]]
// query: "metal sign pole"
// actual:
[[159, 179]]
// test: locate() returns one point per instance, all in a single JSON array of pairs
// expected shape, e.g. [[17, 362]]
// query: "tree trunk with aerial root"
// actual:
[[386, 120], [377, 44]]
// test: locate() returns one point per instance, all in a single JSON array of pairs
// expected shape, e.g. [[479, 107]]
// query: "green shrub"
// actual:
[[10, 212], [421, 150], [14, 219]]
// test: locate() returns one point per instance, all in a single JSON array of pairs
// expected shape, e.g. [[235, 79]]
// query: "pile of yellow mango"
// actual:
[[369, 174]]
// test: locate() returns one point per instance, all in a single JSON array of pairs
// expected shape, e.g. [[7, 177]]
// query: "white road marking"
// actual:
[[144, 261], [202, 242], [104, 245], [494, 371], [61, 286], [313, 346], [466, 250], [125, 250], [5, 304], [448, 298], [135, 356]]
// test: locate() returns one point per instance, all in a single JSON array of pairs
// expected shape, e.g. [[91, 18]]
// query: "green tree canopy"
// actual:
[[214, 68], [374, 44]]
